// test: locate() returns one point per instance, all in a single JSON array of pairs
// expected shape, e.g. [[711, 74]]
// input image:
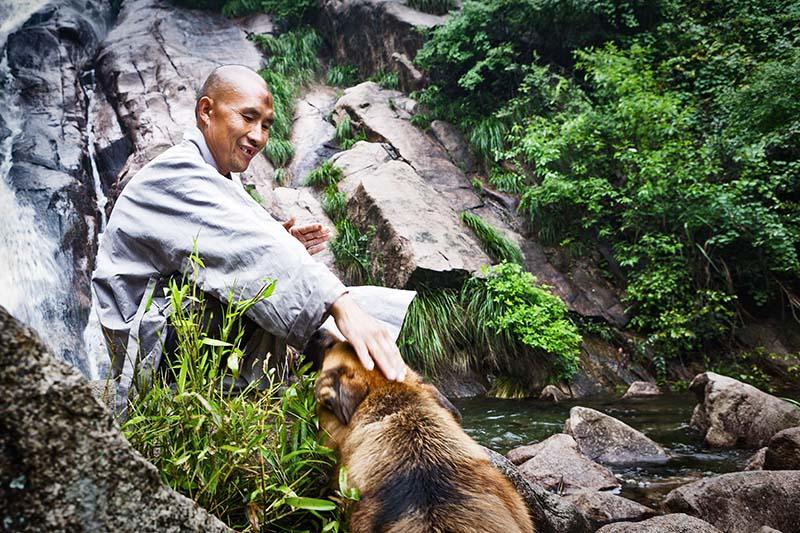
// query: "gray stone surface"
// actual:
[[756, 462], [783, 450], [642, 389], [554, 394], [64, 466], [366, 33], [671, 523], [151, 66], [732, 413], [556, 463], [610, 441], [312, 135], [550, 513], [305, 208], [454, 144], [742, 502], [603, 507]]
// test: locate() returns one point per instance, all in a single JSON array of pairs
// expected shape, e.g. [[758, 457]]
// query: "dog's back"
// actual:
[[405, 450]]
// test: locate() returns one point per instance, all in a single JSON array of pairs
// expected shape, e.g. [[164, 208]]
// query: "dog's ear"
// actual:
[[319, 343], [442, 400], [341, 392]]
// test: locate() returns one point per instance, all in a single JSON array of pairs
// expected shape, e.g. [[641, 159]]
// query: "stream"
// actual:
[[506, 424]]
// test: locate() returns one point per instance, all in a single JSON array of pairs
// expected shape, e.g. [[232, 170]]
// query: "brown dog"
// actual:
[[404, 449]]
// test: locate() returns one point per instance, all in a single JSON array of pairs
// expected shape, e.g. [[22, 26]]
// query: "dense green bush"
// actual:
[[674, 145], [249, 457]]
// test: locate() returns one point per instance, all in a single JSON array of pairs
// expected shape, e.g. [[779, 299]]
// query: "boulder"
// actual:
[[554, 394], [366, 33], [64, 465], [306, 209], [604, 507], [556, 463], [47, 182], [732, 413], [411, 79], [520, 454], [783, 451], [671, 523], [454, 144], [756, 462], [550, 513], [151, 66], [642, 389], [607, 440], [312, 134], [742, 502]]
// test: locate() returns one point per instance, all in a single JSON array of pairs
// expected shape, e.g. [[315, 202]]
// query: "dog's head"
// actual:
[[344, 384]]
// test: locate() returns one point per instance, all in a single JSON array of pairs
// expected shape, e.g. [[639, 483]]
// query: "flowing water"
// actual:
[[506, 424]]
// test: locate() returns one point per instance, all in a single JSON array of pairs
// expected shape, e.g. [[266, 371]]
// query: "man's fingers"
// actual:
[[288, 224], [363, 354], [316, 249], [381, 358], [393, 357], [310, 228]]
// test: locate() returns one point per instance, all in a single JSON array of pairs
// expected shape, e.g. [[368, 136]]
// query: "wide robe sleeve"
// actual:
[[177, 201]]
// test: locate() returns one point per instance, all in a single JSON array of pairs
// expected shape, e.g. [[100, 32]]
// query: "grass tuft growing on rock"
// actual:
[[342, 76], [493, 242], [347, 135], [350, 251], [334, 203], [252, 457], [325, 175], [434, 7]]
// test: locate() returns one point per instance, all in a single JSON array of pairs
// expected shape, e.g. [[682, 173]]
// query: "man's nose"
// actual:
[[258, 135]]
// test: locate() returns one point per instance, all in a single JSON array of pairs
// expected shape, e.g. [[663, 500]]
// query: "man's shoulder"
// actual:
[[181, 160]]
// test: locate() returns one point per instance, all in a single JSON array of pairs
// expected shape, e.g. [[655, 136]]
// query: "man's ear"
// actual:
[[341, 393], [442, 400], [204, 105]]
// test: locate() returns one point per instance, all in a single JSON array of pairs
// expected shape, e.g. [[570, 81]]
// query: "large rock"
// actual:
[[783, 451], [151, 66], [419, 239], [732, 413], [671, 523], [610, 441], [756, 461], [47, 187], [454, 144], [604, 507], [304, 207], [642, 389], [64, 466], [550, 513], [312, 134], [742, 502], [556, 463], [366, 33]]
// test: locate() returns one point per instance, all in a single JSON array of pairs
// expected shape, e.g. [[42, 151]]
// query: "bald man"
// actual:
[[191, 193]]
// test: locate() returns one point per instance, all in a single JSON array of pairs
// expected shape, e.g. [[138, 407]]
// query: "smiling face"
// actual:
[[235, 119]]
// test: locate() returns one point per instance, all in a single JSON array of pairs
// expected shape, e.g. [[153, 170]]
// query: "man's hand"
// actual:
[[370, 339], [312, 236]]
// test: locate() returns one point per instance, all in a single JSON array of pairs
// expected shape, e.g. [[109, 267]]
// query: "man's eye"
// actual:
[[248, 118]]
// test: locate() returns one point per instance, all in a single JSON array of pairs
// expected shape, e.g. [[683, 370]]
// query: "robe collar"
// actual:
[[194, 135]]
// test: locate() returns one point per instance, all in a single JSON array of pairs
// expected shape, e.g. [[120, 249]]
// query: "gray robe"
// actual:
[[178, 199]]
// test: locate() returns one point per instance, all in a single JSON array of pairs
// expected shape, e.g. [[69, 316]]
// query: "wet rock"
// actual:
[[642, 389], [64, 466], [554, 394], [520, 454], [783, 451], [419, 240], [366, 33], [45, 101], [460, 385], [671, 523], [556, 463], [306, 209], [732, 413], [151, 66], [550, 513], [756, 462], [742, 502], [312, 135], [454, 144], [607, 440], [411, 79], [604, 507]]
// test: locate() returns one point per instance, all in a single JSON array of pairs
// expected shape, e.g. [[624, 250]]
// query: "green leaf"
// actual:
[[215, 342], [311, 504]]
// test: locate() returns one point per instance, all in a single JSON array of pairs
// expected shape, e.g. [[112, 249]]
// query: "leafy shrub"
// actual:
[[500, 248], [252, 457]]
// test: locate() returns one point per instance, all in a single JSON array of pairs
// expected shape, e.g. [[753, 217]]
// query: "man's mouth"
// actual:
[[248, 151]]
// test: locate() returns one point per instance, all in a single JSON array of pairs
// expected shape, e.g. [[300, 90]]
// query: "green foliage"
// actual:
[[435, 7], [342, 75], [502, 323], [334, 203], [325, 175], [287, 12], [250, 457], [422, 121], [347, 135], [350, 251], [387, 80], [281, 177], [254, 194], [292, 61], [500, 248], [504, 181]]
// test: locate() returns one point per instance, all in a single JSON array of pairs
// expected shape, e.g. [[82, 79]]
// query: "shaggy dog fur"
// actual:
[[405, 450]]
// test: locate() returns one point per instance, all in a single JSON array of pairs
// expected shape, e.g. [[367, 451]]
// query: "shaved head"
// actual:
[[228, 79]]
